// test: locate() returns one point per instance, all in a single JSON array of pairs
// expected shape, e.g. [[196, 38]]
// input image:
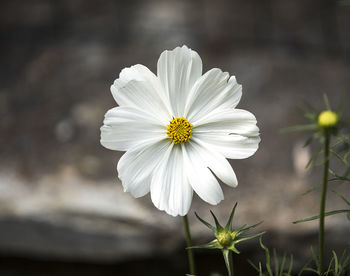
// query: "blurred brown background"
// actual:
[[62, 209]]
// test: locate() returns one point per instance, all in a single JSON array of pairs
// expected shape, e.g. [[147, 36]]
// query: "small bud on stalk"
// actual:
[[328, 119], [226, 238]]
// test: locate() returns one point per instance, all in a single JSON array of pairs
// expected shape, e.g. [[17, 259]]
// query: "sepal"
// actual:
[[227, 238]]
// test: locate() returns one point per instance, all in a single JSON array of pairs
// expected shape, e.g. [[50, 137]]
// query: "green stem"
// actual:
[[228, 261], [323, 204], [189, 250]]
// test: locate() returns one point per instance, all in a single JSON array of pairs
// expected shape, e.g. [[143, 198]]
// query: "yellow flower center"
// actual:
[[224, 238], [179, 130], [328, 118]]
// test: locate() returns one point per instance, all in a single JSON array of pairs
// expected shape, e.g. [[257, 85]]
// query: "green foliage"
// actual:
[[273, 266], [330, 213], [337, 266], [317, 132], [219, 232], [226, 238], [327, 128], [339, 149]]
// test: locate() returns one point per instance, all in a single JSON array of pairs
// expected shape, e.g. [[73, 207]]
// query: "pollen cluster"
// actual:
[[179, 130]]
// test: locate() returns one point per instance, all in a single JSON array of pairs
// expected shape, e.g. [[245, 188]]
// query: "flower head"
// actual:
[[321, 124], [225, 237], [327, 119], [177, 128]]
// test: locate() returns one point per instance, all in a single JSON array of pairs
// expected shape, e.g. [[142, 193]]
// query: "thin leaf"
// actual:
[[260, 270], [330, 266], [245, 229], [326, 101], [318, 216], [312, 188], [304, 268], [347, 155], [218, 226], [313, 158], [345, 260], [312, 116], [275, 261], [342, 256], [314, 256], [210, 245], [290, 265], [249, 237], [268, 259], [342, 197], [308, 106], [342, 159], [211, 227], [298, 128], [341, 139], [283, 264], [338, 177], [347, 172], [253, 265], [330, 171], [336, 263], [309, 140], [233, 248], [311, 269], [228, 226], [240, 229]]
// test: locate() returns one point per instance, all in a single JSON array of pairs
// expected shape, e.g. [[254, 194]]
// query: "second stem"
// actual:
[[189, 249], [323, 203]]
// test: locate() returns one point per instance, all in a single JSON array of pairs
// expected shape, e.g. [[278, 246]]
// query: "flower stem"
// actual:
[[228, 261], [323, 204], [189, 250]]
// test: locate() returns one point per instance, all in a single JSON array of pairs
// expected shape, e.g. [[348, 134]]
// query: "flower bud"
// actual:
[[327, 119], [224, 238]]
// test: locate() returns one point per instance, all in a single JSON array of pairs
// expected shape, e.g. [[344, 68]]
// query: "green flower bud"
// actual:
[[224, 238]]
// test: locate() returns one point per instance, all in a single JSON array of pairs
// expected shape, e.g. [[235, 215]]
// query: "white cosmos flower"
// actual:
[[177, 128]]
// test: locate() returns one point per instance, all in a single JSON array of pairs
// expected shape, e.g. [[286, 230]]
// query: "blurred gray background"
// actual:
[[62, 208]]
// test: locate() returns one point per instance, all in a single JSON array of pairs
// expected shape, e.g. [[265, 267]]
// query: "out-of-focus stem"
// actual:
[[323, 204], [189, 244]]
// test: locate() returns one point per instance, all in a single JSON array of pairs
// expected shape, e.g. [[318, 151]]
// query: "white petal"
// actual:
[[126, 127], [178, 70], [213, 90], [135, 167], [216, 162], [201, 179], [228, 121], [232, 146], [170, 188], [138, 87], [233, 132]]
